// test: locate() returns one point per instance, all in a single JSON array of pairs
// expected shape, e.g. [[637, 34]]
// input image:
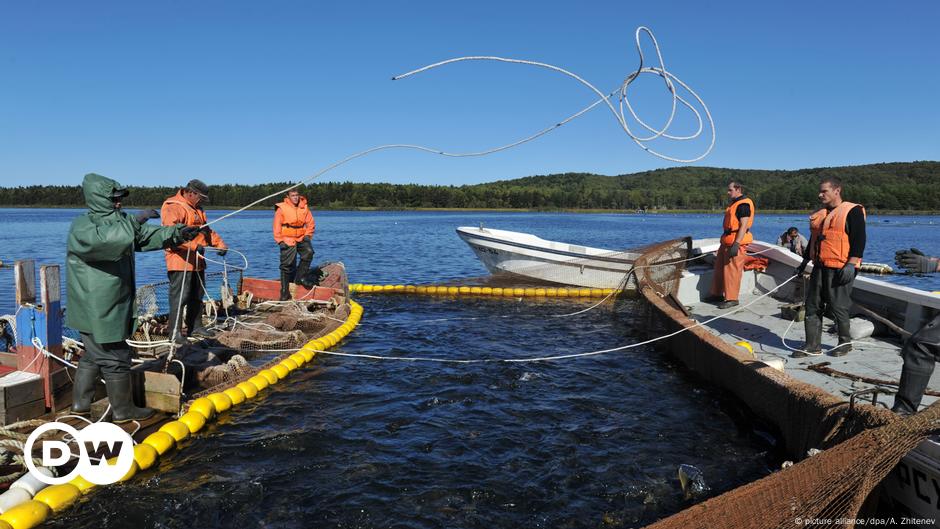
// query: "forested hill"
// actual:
[[887, 186]]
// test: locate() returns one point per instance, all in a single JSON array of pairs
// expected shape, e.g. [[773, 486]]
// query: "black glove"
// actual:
[[188, 233], [144, 216], [733, 252], [282, 244], [800, 270], [222, 252], [915, 262], [846, 274], [306, 238]]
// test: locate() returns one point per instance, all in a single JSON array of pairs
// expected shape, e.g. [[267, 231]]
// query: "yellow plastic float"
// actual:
[[485, 291], [56, 498], [26, 515]]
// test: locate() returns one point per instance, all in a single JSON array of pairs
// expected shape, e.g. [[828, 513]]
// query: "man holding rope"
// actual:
[[185, 265], [101, 292], [921, 351]]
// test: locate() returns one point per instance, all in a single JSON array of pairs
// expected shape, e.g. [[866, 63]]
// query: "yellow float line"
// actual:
[[484, 291], [56, 498]]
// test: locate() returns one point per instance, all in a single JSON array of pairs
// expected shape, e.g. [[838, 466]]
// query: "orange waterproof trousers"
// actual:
[[726, 281]]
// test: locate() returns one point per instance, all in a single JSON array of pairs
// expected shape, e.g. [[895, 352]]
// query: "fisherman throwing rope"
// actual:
[[293, 231], [922, 350], [185, 265], [101, 292]]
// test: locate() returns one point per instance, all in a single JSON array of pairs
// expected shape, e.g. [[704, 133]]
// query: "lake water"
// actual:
[[355, 443]]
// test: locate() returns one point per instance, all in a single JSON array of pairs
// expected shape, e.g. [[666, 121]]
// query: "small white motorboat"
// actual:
[[524, 254]]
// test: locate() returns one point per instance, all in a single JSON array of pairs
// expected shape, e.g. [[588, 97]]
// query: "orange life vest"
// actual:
[[176, 257], [830, 244], [732, 223], [292, 223]]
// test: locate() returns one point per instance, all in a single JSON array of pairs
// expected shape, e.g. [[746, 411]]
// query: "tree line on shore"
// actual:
[[888, 186]]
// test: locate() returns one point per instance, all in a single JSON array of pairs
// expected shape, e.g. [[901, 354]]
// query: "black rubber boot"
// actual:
[[910, 392], [123, 408], [83, 388], [285, 287]]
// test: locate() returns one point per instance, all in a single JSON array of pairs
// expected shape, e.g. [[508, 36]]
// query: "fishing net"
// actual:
[[236, 335], [824, 490], [862, 443]]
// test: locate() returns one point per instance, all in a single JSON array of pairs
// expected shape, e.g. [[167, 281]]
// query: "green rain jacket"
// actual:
[[100, 263]]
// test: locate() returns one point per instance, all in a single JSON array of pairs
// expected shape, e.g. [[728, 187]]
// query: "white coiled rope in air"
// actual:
[[669, 79]]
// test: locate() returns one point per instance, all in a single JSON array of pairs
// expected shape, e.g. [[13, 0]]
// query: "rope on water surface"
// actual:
[[564, 356]]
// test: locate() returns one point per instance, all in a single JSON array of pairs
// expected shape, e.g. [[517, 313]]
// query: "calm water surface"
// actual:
[[352, 443]]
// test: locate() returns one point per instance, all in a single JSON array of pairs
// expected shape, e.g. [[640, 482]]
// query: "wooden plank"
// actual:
[[49, 284], [161, 391], [24, 272], [60, 386], [270, 289], [29, 410], [19, 389]]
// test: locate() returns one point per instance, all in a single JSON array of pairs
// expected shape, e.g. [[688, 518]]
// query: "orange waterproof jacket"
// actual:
[[732, 223], [830, 242], [178, 210], [292, 223]]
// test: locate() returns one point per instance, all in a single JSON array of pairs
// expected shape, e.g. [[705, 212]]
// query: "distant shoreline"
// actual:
[[512, 210]]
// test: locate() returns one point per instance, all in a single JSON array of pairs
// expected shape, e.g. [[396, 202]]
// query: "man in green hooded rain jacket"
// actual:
[[102, 291]]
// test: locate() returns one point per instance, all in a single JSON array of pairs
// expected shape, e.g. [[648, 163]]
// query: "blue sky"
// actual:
[[160, 92]]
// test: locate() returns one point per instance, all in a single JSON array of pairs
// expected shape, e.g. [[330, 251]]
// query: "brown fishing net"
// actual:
[[862, 443], [822, 491]]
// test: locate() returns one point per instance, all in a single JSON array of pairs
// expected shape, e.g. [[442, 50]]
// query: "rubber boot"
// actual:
[[83, 388], [813, 336], [123, 408], [285, 287], [910, 391]]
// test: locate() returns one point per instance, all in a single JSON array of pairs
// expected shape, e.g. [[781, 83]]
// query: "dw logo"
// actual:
[[97, 444]]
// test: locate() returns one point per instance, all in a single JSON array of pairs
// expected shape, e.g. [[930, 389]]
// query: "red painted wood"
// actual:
[[271, 289]]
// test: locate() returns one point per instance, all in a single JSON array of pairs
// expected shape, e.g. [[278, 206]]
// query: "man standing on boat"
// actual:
[[921, 351], [836, 245], [185, 264], [293, 231], [101, 292], [729, 261]]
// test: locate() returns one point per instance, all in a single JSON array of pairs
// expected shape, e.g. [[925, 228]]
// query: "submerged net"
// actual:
[[864, 443], [828, 487]]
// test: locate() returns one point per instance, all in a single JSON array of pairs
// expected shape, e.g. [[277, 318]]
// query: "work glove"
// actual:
[[222, 252], [306, 238], [282, 245], [800, 270], [144, 216], [846, 274], [915, 262], [733, 252], [188, 233]]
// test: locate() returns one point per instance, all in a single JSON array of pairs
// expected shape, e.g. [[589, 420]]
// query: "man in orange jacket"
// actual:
[[293, 230], [836, 245], [185, 264], [729, 261]]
